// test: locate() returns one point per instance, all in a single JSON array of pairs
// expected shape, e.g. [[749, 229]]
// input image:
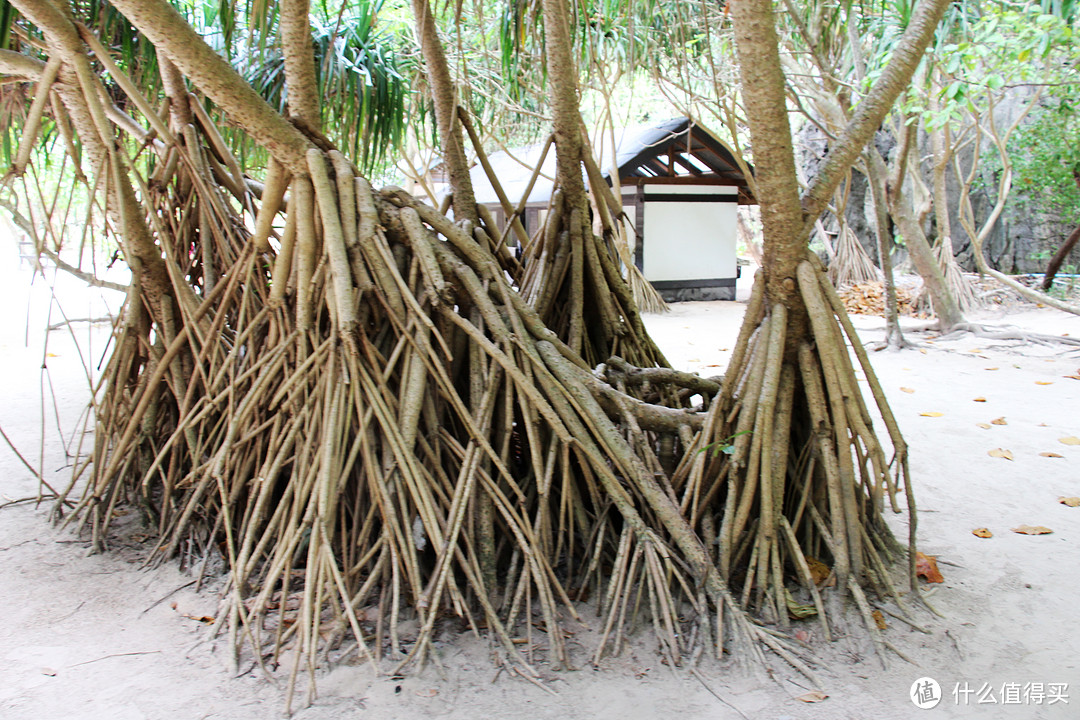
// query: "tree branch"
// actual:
[[873, 108], [214, 76]]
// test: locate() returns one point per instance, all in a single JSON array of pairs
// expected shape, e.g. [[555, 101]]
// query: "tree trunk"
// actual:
[[170, 34], [922, 256], [791, 391], [1063, 252], [445, 98], [875, 172], [572, 276], [764, 93], [301, 82], [1056, 262]]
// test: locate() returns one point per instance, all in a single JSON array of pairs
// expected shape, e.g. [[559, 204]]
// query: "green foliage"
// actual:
[[725, 446], [364, 82], [982, 58], [1046, 160]]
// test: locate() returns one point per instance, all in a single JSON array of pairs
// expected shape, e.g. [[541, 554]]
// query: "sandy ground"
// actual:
[[97, 637]]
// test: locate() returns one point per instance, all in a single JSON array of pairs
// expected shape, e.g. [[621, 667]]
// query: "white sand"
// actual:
[[82, 638]]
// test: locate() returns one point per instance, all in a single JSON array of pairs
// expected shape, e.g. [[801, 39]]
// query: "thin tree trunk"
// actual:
[[1063, 252], [301, 82], [444, 96], [922, 255], [764, 94], [875, 172], [939, 144], [905, 58], [566, 115]]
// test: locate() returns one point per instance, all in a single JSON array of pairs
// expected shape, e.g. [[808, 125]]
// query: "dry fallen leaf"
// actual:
[[1072, 377], [879, 620], [1070, 501], [932, 414], [907, 390], [1032, 530], [926, 567], [985, 426], [812, 697], [999, 421], [819, 571], [1050, 454], [982, 532], [204, 619], [991, 368], [1044, 382], [980, 399], [1071, 440], [1000, 453]]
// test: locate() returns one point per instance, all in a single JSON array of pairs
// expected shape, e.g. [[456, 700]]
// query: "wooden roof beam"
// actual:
[[690, 167]]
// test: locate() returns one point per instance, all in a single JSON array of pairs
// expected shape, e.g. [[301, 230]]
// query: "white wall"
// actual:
[[689, 240]]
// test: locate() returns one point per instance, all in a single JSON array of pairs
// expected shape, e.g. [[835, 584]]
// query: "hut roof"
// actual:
[[674, 148]]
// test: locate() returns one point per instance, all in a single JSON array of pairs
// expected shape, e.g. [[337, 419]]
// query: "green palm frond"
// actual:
[[364, 82]]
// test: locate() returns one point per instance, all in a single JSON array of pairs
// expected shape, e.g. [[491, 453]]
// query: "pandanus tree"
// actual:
[[342, 391]]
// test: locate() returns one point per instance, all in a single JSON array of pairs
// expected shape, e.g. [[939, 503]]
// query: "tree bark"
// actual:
[[172, 35], [1063, 252], [566, 114], [875, 172], [301, 82], [1059, 257], [875, 106], [765, 99], [922, 255], [444, 96]]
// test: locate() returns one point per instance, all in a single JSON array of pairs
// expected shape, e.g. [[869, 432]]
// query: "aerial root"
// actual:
[[371, 426]]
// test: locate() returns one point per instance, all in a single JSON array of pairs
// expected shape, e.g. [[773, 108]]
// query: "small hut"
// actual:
[[680, 187]]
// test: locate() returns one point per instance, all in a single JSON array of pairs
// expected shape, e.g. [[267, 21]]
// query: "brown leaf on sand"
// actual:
[[1070, 501], [1050, 454], [1071, 440], [980, 399], [998, 421], [1032, 530], [1072, 377], [879, 620], [820, 572], [982, 532], [1000, 453], [984, 426], [907, 390], [926, 567], [932, 414], [1044, 382], [812, 697]]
